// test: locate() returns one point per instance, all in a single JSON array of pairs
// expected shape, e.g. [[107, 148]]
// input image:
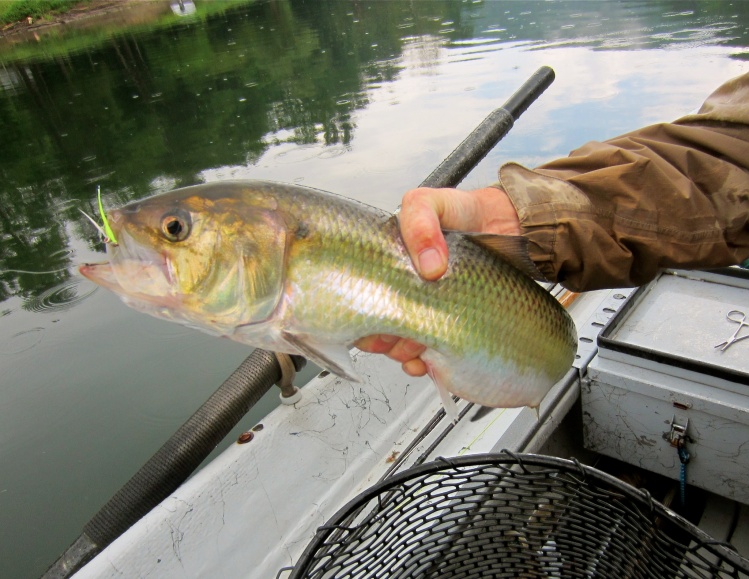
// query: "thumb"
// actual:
[[420, 216]]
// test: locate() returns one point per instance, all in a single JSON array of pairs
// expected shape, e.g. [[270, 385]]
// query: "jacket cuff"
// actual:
[[545, 205]]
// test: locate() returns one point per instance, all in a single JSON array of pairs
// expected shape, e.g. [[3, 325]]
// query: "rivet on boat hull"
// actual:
[[245, 437]]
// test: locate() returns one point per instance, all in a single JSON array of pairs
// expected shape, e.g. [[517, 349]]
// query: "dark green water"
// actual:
[[360, 98]]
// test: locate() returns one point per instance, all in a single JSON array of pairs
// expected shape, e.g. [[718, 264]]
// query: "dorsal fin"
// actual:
[[511, 248]]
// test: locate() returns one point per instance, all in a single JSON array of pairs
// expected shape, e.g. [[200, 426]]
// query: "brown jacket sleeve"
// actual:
[[669, 195]]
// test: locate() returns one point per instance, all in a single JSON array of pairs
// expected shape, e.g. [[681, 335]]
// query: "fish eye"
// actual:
[[175, 226]]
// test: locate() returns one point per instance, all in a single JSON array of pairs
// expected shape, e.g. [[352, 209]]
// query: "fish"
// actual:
[[301, 271]]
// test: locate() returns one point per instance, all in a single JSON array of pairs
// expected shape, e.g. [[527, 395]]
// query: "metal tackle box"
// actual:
[[670, 381]]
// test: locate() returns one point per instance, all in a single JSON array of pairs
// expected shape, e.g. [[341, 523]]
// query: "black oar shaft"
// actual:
[[491, 130]]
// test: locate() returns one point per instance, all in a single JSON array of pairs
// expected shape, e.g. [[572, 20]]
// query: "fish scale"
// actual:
[[303, 271], [449, 313]]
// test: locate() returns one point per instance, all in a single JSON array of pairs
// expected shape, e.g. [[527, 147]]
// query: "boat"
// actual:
[[632, 411]]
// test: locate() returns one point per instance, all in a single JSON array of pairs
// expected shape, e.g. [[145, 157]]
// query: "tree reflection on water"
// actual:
[[143, 112]]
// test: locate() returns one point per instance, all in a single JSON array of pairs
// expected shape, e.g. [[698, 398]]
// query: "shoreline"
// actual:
[[94, 13]]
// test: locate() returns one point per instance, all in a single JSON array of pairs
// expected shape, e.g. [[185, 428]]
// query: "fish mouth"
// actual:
[[101, 274], [136, 273], [105, 275]]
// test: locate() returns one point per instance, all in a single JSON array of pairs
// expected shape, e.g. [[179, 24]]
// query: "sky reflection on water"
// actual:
[[360, 99]]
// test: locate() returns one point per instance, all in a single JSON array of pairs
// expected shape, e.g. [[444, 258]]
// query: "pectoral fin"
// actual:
[[332, 357]]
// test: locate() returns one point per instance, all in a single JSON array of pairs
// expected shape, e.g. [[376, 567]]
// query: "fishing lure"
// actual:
[[105, 231], [107, 228]]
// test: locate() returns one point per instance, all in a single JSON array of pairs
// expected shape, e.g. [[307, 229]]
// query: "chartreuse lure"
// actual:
[[109, 234], [106, 231]]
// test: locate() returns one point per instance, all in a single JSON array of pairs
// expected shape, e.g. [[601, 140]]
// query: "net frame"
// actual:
[[511, 515]]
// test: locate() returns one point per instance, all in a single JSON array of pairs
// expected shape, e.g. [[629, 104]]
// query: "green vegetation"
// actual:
[[59, 41], [15, 10]]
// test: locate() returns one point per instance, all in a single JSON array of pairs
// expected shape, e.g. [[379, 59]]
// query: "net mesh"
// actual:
[[511, 516]]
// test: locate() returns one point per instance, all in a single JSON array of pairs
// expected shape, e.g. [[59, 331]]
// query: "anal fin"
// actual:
[[451, 408]]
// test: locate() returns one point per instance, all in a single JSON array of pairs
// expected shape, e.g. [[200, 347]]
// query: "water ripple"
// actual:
[[23, 341], [331, 151], [60, 298]]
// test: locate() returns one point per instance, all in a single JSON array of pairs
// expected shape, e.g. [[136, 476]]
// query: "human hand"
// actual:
[[424, 214]]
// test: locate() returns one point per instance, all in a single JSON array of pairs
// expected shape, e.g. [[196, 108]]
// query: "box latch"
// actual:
[[677, 437]]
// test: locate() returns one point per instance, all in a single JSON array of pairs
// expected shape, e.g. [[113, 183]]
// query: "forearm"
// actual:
[[671, 195]]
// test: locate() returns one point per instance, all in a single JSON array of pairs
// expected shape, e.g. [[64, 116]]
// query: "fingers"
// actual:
[[406, 352], [377, 344], [398, 349], [415, 367]]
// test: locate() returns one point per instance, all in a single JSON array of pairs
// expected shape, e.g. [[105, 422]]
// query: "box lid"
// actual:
[[678, 319]]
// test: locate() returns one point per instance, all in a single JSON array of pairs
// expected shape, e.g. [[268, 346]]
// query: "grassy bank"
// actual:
[[73, 25], [15, 10]]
